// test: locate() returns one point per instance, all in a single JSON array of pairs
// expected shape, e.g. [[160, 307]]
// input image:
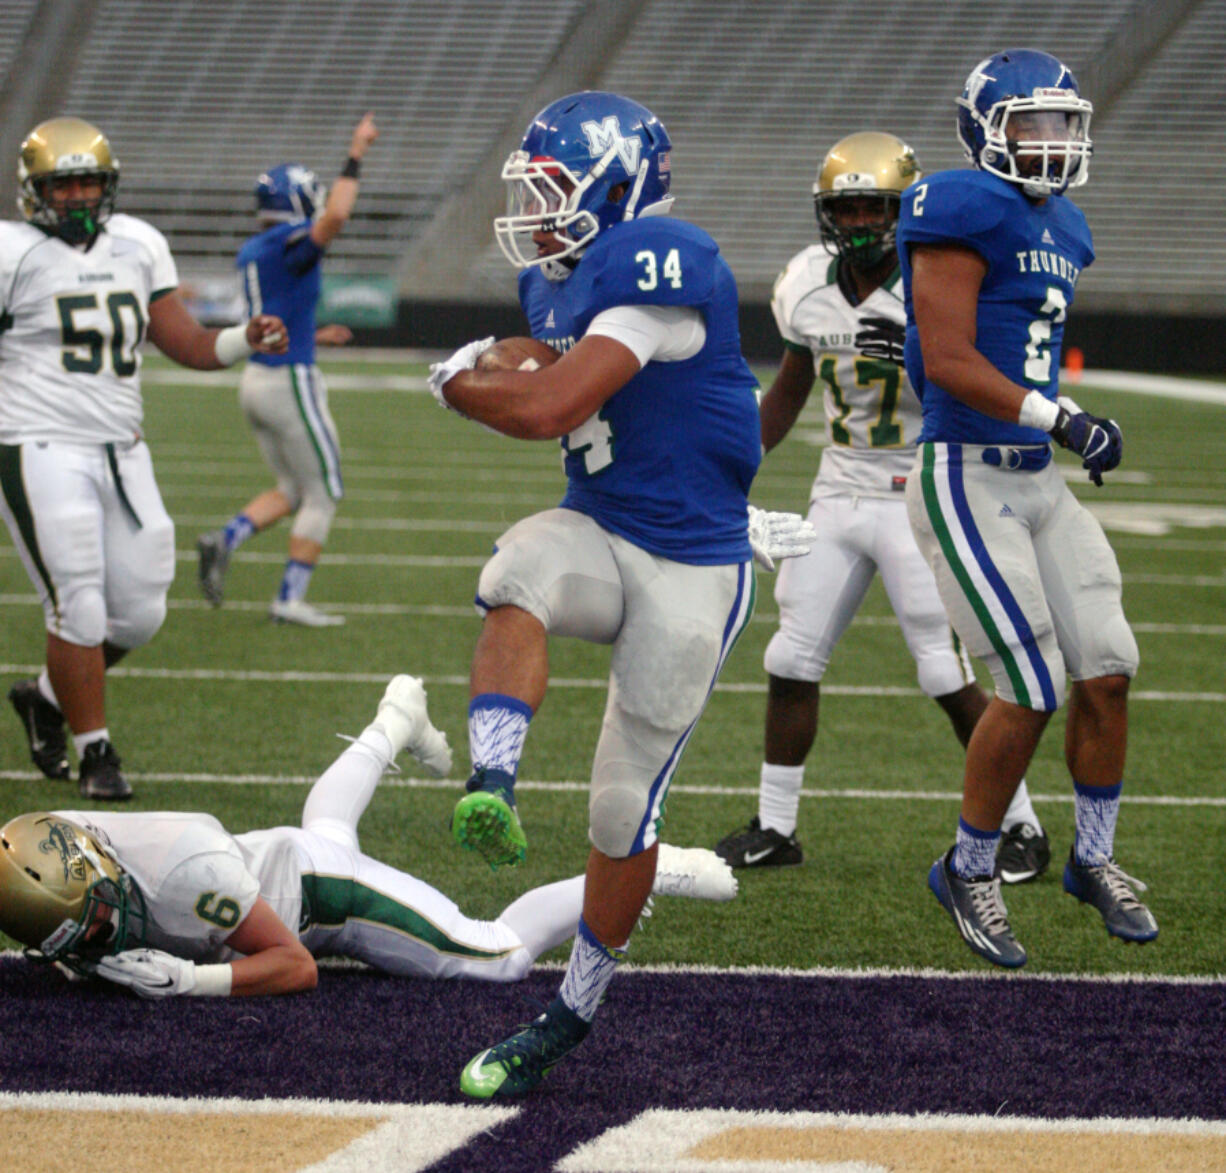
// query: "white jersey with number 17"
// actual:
[[872, 415], [71, 324]]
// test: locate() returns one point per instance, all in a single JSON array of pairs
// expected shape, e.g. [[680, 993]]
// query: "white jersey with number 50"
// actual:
[[872, 415], [71, 324]]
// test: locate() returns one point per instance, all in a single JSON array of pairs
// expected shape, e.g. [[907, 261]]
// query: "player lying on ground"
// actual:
[[171, 903]]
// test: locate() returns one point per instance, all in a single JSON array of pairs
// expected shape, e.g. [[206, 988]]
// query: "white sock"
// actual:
[[344, 790], [45, 689], [546, 917], [81, 740], [1020, 810], [779, 796]]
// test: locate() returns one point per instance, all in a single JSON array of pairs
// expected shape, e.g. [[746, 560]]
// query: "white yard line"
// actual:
[[233, 676]]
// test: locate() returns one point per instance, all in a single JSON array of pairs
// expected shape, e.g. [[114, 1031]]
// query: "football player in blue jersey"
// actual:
[[649, 551], [991, 259], [284, 397]]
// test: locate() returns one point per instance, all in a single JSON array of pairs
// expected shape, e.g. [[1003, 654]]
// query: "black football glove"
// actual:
[[1099, 442], [881, 338]]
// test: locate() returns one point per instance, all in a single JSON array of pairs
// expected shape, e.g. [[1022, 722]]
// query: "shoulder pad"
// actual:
[[651, 262], [953, 206], [810, 269]]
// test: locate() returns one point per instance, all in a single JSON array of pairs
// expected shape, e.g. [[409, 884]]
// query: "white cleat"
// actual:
[[694, 872], [403, 718], [301, 612]]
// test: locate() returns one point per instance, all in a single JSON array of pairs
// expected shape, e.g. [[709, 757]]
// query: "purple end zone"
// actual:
[[890, 1044]]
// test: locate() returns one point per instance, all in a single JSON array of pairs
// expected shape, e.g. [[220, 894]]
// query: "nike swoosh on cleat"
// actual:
[[757, 855]]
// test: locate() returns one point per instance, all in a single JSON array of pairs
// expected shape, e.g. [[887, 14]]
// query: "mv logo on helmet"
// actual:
[[607, 135], [60, 841]]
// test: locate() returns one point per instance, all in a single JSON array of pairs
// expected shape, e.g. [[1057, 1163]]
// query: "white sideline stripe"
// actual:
[[411, 1137], [844, 974], [439, 610], [1162, 386], [581, 787], [181, 377], [228, 675]]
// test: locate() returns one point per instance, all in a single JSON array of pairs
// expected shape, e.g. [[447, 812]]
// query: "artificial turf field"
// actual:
[[830, 1013], [228, 713]]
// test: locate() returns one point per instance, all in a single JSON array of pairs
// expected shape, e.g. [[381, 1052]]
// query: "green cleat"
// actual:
[[518, 1064], [485, 821]]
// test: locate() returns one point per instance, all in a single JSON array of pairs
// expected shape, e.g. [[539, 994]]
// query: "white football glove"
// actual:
[[149, 972], [775, 536], [464, 359]]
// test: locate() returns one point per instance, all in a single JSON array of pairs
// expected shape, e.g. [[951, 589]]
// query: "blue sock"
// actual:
[[295, 581], [497, 726], [974, 852], [238, 529], [589, 973], [1096, 809]]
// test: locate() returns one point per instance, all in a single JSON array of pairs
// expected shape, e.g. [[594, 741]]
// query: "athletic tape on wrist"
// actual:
[[1038, 412], [213, 981], [231, 344]]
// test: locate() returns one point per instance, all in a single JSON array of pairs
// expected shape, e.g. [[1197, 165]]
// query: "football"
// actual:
[[517, 354]]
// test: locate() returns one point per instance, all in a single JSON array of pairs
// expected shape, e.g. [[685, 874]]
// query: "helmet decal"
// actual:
[[1021, 117], [587, 162]]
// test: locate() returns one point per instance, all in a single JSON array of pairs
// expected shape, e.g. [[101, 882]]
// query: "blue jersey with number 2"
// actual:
[[1034, 252], [668, 460]]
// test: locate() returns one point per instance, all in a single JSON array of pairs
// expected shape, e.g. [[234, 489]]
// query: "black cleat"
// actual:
[[44, 726], [758, 847], [214, 560], [101, 777], [1023, 854]]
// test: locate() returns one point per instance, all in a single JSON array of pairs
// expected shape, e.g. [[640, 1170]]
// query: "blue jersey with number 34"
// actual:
[[1034, 252], [668, 460]]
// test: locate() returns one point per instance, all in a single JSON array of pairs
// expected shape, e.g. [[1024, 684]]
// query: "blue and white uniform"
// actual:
[[283, 396], [649, 550], [1026, 573]]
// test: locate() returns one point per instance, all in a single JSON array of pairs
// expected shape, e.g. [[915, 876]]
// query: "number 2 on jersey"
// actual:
[[1038, 349]]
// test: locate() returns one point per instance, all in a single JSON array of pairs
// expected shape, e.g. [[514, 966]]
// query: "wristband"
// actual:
[[1038, 412], [231, 344], [351, 168], [213, 981]]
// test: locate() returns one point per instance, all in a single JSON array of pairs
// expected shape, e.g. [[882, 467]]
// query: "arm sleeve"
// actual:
[[301, 252], [655, 333]]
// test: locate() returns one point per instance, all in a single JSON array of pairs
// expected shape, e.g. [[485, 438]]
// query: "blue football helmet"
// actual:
[[1022, 117], [587, 161], [289, 192]]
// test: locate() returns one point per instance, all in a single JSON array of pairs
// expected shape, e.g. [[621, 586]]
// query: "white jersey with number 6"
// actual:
[[71, 323], [872, 415]]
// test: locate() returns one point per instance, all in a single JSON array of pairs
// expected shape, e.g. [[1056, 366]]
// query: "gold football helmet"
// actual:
[[870, 168], [62, 893], [55, 149]]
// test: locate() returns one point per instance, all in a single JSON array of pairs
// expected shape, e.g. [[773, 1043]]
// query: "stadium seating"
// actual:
[[198, 98]]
